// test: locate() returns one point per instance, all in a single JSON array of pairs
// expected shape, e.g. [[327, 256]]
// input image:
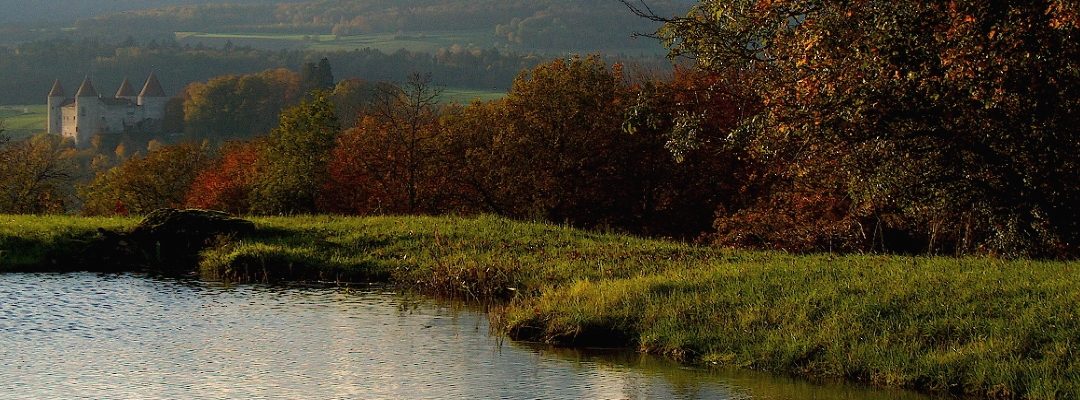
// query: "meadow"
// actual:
[[426, 42], [24, 120], [975, 326], [468, 95]]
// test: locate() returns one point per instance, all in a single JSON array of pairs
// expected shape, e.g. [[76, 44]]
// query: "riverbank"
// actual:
[[990, 328]]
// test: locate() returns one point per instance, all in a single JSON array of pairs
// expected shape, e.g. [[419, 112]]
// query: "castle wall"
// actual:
[[91, 114], [67, 122]]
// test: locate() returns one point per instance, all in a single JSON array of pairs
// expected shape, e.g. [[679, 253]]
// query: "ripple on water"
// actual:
[[127, 336]]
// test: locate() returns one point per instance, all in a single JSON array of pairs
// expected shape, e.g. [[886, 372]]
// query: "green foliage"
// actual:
[[317, 76], [238, 107], [293, 166], [142, 184]]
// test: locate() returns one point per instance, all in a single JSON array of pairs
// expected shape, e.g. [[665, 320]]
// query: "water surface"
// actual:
[[128, 336]]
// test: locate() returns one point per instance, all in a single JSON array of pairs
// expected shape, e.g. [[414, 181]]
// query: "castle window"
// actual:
[[82, 111]]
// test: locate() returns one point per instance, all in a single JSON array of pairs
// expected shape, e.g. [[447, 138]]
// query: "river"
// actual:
[[107, 336]]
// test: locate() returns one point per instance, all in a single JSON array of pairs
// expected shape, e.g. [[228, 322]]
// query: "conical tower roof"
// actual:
[[152, 88], [57, 89], [86, 89], [125, 90]]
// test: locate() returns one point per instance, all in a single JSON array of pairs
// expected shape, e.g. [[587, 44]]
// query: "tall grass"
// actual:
[[34, 242], [984, 327]]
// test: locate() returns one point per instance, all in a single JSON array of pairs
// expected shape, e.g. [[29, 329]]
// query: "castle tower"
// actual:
[[126, 92], [152, 99], [56, 101], [88, 112]]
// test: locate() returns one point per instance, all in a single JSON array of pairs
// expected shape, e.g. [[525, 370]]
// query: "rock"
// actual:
[[167, 241], [172, 225]]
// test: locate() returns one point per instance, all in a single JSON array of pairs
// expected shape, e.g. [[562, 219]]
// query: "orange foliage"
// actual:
[[227, 183]]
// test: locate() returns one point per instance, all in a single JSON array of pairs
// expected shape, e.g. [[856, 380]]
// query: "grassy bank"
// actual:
[[978, 326], [29, 243]]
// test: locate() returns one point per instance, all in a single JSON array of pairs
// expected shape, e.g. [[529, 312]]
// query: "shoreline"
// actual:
[[970, 326]]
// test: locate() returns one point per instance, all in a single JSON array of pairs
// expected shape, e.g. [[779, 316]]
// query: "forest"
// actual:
[[901, 127], [37, 64], [552, 26]]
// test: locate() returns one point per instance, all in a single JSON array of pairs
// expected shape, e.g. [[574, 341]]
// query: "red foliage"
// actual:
[[226, 185]]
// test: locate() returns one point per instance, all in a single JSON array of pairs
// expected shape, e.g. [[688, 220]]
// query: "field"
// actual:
[[466, 96], [24, 120], [427, 42], [976, 326]]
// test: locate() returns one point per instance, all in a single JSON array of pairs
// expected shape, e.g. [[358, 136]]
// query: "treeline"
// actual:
[[234, 107], [555, 148], [899, 127], [564, 25], [31, 68], [19, 11]]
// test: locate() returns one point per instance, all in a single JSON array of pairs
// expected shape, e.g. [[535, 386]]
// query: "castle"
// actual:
[[88, 113]]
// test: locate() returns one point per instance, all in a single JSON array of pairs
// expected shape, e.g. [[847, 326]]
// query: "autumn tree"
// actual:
[[292, 166], [227, 182], [36, 174], [143, 183], [354, 97], [575, 141], [932, 126], [389, 163]]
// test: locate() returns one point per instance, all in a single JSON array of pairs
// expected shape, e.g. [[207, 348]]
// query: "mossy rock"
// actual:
[[166, 241]]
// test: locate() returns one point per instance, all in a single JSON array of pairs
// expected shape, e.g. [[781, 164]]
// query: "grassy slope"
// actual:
[[25, 241], [466, 96], [980, 326], [427, 42], [24, 120]]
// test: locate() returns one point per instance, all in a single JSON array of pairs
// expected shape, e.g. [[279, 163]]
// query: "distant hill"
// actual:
[[549, 26], [67, 11]]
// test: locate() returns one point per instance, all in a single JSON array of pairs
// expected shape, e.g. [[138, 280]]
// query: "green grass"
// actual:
[[984, 327], [427, 42], [466, 96], [24, 120], [28, 242]]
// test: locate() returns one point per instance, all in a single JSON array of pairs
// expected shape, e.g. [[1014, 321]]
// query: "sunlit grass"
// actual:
[[24, 120], [27, 242], [466, 96], [978, 326]]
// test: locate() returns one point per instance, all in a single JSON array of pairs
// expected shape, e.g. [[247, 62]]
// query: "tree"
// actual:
[[943, 126], [566, 143], [228, 182], [354, 97], [142, 184], [393, 150], [317, 76], [238, 106], [293, 165], [37, 174]]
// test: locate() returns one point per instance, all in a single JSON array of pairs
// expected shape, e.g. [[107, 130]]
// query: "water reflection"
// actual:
[[126, 336]]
